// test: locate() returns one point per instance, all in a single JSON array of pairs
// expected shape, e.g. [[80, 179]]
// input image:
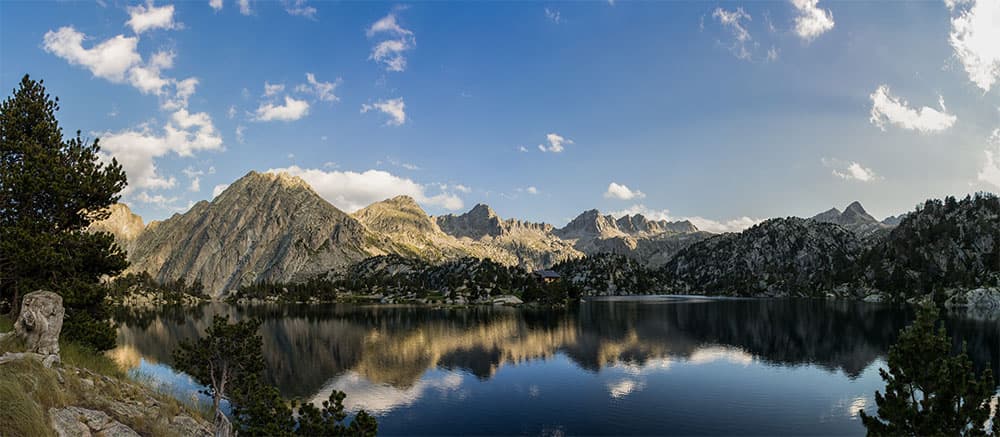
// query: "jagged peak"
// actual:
[[483, 209], [856, 208]]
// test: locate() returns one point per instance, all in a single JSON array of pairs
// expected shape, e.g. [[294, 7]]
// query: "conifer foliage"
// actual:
[[928, 390], [51, 189]]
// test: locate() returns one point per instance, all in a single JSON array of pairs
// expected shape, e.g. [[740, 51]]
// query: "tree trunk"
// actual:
[[223, 428]]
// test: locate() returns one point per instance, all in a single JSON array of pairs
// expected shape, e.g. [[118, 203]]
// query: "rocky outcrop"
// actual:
[[38, 328], [124, 225], [264, 227], [40, 322], [779, 257], [943, 244], [76, 421]]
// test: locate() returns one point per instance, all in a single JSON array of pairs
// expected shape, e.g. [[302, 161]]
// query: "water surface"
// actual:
[[662, 365]]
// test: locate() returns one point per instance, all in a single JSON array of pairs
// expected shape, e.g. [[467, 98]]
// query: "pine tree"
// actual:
[[51, 189], [928, 390], [227, 359]]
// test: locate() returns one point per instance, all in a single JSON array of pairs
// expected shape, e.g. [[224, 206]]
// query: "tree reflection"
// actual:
[[308, 346]]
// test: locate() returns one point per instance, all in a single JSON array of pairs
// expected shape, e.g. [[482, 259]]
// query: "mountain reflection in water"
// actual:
[[387, 357]]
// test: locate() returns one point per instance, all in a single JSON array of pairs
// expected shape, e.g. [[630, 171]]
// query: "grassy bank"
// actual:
[[86, 379]]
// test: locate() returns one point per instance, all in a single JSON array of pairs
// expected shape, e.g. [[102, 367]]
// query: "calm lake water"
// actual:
[[623, 366]]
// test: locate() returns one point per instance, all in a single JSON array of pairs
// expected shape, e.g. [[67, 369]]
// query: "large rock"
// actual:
[[79, 422], [41, 322]]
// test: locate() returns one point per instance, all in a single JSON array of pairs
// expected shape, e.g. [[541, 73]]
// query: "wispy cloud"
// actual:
[[556, 143], [734, 21], [292, 109], [390, 52], [394, 108], [888, 109], [810, 20]]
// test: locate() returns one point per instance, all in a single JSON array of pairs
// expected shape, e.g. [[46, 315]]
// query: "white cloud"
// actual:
[[244, 7], [293, 109], [215, 4], [231, 113], [855, 171], [462, 188], [733, 225], [531, 190], [143, 18], [888, 109], [522, 148], [273, 89], [772, 54], [116, 60], [389, 52], [218, 189], [322, 90], [387, 24], [556, 143], [240, 131], [110, 59], [990, 173], [183, 90], [811, 21], [158, 200], [299, 8], [619, 191], [137, 149], [733, 20], [974, 34], [352, 191], [147, 78], [195, 177], [553, 15], [394, 108]]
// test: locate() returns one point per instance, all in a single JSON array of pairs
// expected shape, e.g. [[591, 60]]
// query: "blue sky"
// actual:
[[724, 113]]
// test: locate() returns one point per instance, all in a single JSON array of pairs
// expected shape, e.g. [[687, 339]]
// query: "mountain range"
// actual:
[[273, 227]]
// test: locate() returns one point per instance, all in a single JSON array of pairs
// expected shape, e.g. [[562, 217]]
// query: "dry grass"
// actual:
[[75, 355], [27, 391]]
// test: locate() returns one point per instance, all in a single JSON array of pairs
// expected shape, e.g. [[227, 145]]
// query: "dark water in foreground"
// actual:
[[640, 366]]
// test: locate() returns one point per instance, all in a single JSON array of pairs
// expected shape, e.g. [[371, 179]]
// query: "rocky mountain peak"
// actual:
[[854, 218], [591, 224], [478, 222], [395, 215], [122, 223], [827, 216], [482, 210], [264, 227]]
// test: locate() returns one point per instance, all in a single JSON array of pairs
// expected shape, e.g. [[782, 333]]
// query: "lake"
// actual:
[[651, 365]]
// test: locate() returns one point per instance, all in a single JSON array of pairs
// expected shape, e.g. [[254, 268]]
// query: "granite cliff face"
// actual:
[[122, 223], [264, 227]]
